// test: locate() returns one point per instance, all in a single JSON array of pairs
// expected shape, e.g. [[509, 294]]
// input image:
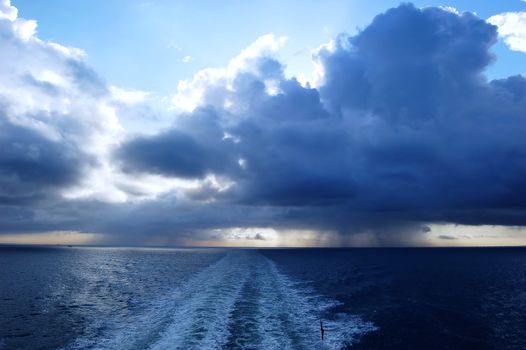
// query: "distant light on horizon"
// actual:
[[439, 235], [50, 238]]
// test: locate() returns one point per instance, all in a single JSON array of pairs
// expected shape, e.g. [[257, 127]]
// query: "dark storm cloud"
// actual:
[[408, 63], [404, 128], [32, 165], [196, 148], [295, 153], [259, 237], [447, 238]]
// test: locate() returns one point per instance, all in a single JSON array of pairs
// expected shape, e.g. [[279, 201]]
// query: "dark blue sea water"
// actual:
[[129, 298]]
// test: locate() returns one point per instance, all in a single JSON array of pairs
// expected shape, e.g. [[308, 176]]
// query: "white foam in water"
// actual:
[[242, 301]]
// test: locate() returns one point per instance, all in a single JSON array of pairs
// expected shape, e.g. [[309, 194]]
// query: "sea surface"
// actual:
[[147, 298]]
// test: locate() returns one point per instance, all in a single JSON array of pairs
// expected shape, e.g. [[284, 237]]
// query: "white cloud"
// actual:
[[128, 96], [72, 52], [450, 9], [264, 46], [187, 59], [512, 29], [318, 74], [52, 82], [212, 82], [7, 11]]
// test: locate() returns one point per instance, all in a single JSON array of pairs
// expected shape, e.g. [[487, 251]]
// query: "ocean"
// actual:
[[149, 298]]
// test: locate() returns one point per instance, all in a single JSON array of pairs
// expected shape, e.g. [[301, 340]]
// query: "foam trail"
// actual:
[[242, 301]]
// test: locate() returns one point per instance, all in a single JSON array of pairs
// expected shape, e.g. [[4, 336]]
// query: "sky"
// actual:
[[269, 123]]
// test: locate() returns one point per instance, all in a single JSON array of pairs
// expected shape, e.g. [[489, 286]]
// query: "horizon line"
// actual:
[[251, 247]]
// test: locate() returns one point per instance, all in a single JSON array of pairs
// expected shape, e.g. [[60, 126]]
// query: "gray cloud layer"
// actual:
[[403, 129]]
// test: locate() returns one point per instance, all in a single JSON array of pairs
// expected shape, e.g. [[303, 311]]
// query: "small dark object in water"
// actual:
[[322, 330]]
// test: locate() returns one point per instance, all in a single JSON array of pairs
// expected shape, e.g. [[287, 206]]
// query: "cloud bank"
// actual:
[[399, 129]]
